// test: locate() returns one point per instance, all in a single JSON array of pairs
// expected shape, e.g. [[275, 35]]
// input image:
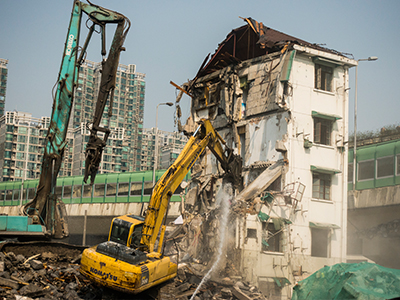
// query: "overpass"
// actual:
[[111, 195]]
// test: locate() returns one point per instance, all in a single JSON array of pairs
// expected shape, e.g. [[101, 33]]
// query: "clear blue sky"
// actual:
[[169, 40]]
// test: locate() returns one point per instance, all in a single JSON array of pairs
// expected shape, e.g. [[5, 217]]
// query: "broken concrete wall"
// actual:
[[262, 135], [245, 90]]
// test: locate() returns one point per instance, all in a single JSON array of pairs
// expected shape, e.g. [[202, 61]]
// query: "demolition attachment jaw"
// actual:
[[94, 150]]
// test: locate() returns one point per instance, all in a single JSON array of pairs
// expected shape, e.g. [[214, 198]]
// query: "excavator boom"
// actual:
[[205, 136], [45, 208]]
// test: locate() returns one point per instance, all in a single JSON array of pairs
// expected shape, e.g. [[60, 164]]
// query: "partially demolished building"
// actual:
[[282, 103]]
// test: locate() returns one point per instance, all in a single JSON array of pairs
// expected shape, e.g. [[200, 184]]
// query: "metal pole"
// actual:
[[156, 147], [355, 135], [84, 228]]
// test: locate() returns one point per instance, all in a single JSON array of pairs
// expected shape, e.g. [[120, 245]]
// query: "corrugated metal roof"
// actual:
[[250, 41]]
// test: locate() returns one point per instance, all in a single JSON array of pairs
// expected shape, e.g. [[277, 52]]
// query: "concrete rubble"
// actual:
[[226, 288], [53, 273], [44, 275]]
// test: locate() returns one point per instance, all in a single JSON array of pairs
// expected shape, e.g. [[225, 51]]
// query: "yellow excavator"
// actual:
[[132, 259]]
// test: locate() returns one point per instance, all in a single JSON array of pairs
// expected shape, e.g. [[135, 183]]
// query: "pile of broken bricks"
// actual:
[[42, 276]]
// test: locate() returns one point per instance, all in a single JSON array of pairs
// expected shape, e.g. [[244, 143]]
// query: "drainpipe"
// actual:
[[345, 167]]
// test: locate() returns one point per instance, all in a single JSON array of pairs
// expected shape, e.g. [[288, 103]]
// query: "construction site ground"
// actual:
[[50, 270]]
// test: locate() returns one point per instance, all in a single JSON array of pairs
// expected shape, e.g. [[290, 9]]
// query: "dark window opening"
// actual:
[[319, 242], [252, 233]]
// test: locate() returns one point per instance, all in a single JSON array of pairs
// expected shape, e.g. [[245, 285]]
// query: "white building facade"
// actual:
[[282, 104]]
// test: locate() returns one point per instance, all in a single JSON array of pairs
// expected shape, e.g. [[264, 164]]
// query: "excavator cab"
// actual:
[[126, 230]]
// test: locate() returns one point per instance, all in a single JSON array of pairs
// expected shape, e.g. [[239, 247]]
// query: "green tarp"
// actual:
[[363, 281], [263, 216]]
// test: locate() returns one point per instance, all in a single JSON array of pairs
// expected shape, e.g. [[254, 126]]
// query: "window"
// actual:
[[321, 186], [251, 233], [99, 190], [136, 188], [323, 77], [322, 131], [58, 191], [123, 188], [33, 148], [272, 236], [320, 242], [77, 191], [20, 155], [136, 235], [33, 140], [67, 190], [111, 189], [8, 145], [87, 191], [31, 166], [366, 170], [23, 130], [384, 166], [21, 139], [20, 147], [19, 173], [31, 193], [119, 232], [16, 194]]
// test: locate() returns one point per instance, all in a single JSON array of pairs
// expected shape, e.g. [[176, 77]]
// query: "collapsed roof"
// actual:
[[250, 41]]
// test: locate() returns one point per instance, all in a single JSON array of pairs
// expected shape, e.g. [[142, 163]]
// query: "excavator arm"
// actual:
[[205, 136], [95, 144], [44, 208]]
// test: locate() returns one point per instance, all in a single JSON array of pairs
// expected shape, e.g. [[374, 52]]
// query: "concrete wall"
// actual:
[[384, 196], [102, 209]]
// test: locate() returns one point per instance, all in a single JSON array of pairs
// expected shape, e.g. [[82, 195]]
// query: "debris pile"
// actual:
[[33, 271], [49, 271], [189, 278]]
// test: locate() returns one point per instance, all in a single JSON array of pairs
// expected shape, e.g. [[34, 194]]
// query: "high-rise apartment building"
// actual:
[[171, 145], [21, 145], [171, 142], [114, 158], [22, 137], [3, 84], [126, 121]]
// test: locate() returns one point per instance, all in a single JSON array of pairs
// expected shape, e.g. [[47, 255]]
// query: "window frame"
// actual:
[[317, 137], [377, 167], [372, 160], [277, 237], [318, 243], [324, 177], [321, 82]]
